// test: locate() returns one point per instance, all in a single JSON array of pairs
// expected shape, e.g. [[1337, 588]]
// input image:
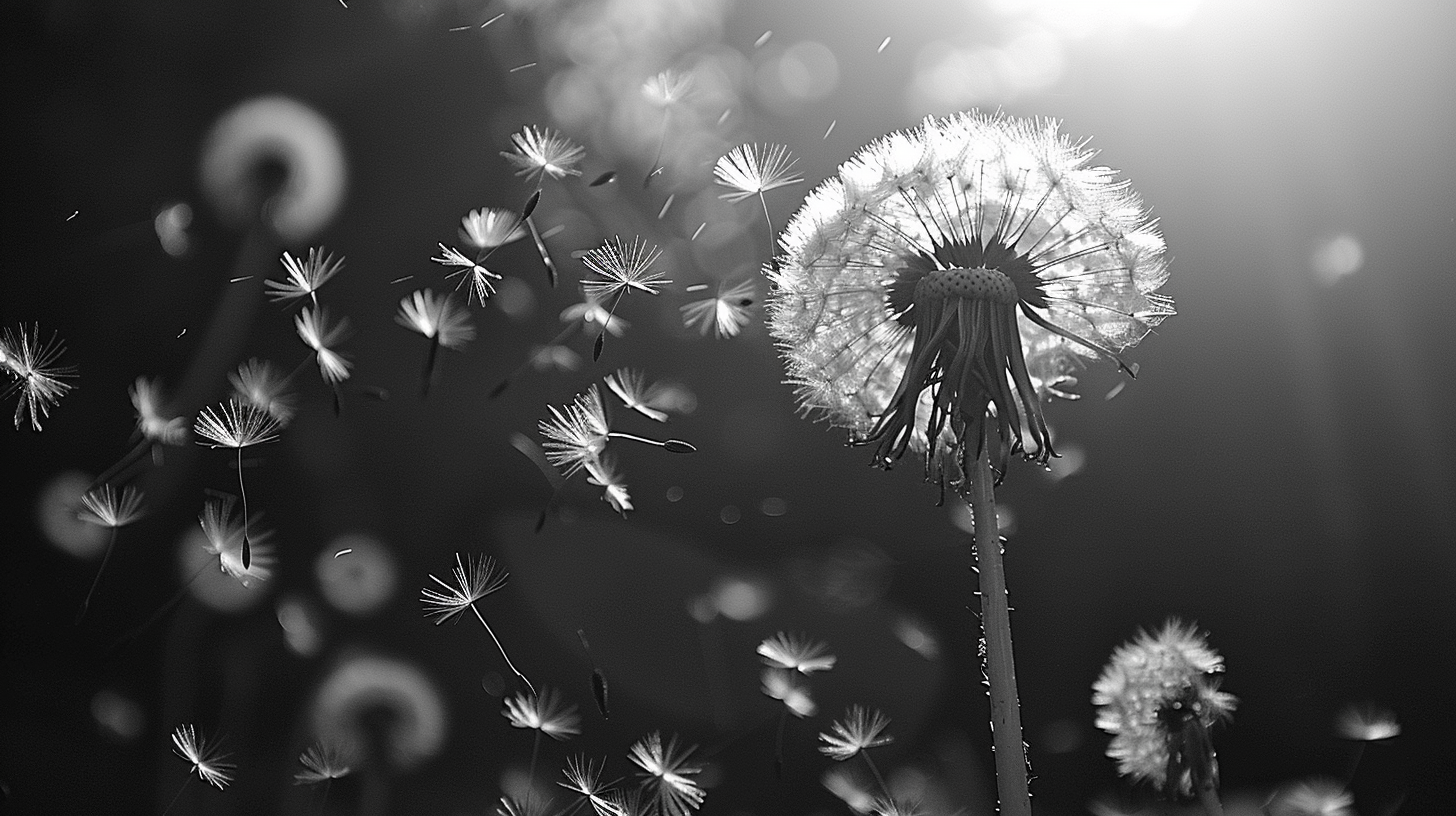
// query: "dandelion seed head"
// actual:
[[1156, 692], [622, 268], [31, 362], [754, 169], [544, 712], [209, 765], [348, 705], [1366, 723], [959, 272], [105, 507], [438, 317], [490, 227], [305, 277], [539, 152]]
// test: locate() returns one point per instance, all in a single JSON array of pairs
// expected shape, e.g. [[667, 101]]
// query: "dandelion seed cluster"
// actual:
[[956, 274]]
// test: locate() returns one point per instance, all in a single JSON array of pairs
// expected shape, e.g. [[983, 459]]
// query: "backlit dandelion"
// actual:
[[224, 535], [475, 578], [323, 762], [752, 170], [1159, 699], [860, 730], [796, 653], [152, 422], [621, 268], [32, 364], [934, 292], [104, 507], [1366, 723], [668, 775], [305, 277], [320, 335], [476, 275], [665, 89], [632, 388], [603, 473], [583, 777], [237, 426], [208, 763], [439, 318], [540, 152], [725, 314]]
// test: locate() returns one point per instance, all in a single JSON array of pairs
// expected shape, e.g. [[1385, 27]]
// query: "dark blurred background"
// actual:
[[1280, 472]]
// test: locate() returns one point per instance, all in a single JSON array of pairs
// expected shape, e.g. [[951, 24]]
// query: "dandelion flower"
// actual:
[[796, 653], [208, 764], [304, 277], [1158, 699], [478, 276], [154, 425], [475, 578], [32, 364], [544, 712], [224, 536], [257, 384], [490, 227], [541, 152], [668, 775], [317, 333], [750, 170], [960, 269], [860, 730], [725, 314], [323, 762]]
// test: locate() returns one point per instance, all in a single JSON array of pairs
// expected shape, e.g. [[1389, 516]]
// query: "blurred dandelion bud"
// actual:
[[31, 363], [783, 685], [490, 227], [390, 709], [277, 159], [952, 276], [1311, 797], [1159, 699]]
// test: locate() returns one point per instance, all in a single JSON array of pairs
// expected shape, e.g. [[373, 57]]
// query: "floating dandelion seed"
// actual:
[[583, 777], [439, 318], [257, 384], [603, 474], [544, 712], [1366, 723], [490, 227], [1159, 699], [783, 685], [725, 314], [796, 653], [316, 333], [32, 364], [668, 775], [224, 536], [323, 762], [304, 277], [632, 389], [237, 426], [752, 170], [207, 762], [103, 507], [577, 435], [860, 730], [541, 152], [475, 578], [665, 90], [476, 275], [621, 268]]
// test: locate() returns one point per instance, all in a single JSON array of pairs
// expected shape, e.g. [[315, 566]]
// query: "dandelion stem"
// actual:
[[502, 649], [247, 547], [178, 795], [1011, 771], [531, 774], [430, 364], [162, 610], [86, 603], [874, 769], [779, 741], [769, 223]]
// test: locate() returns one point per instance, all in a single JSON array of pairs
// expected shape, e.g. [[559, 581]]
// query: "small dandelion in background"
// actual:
[[318, 334], [1159, 699], [475, 578], [304, 277], [207, 762], [474, 274], [439, 318], [1366, 723], [223, 535], [621, 268], [258, 385], [237, 426], [859, 731], [667, 775], [323, 762], [104, 507], [32, 364], [752, 170], [632, 388], [725, 314]]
